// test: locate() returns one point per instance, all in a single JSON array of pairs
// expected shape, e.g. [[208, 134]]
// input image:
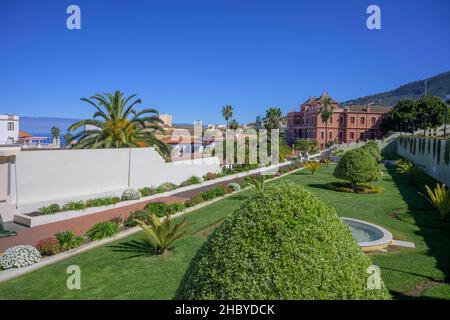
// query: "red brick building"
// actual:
[[347, 124]]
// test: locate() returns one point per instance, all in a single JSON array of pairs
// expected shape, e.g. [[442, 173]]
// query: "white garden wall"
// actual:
[[427, 161], [47, 176]]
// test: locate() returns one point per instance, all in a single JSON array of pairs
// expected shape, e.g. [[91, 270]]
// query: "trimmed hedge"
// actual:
[[357, 165], [284, 243]]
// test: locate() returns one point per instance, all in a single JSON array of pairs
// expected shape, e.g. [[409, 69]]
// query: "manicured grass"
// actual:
[[124, 269]]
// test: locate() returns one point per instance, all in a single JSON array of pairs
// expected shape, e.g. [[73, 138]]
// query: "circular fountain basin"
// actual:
[[370, 237]]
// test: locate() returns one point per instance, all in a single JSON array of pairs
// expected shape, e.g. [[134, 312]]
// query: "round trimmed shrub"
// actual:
[[234, 186], [131, 194], [373, 149], [357, 166], [284, 243], [168, 186], [19, 257]]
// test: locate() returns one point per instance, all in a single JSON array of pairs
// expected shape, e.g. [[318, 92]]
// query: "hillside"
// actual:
[[438, 85]]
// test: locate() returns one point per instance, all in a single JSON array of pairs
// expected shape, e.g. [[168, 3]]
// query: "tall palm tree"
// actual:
[[234, 124], [116, 124], [227, 113], [326, 112], [273, 118]]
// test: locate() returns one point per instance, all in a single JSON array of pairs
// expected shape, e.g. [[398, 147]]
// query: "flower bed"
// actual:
[[361, 188]]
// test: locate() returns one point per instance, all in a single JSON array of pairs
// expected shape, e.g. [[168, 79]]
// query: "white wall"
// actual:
[[440, 172], [4, 132], [48, 176]]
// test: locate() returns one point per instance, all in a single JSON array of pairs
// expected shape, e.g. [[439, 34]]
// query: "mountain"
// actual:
[[438, 85]]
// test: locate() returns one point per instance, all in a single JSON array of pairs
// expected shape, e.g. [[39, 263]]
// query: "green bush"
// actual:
[[147, 191], [284, 243], [51, 209], [161, 209], [195, 200], [104, 201], [168, 186], [214, 192], [362, 188], [357, 165], [373, 149], [131, 194], [192, 180], [102, 230], [67, 240], [74, 205], [142, 215]]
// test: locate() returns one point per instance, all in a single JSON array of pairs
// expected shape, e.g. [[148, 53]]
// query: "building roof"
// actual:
[[23, 134], [310, 100], [373, 108]]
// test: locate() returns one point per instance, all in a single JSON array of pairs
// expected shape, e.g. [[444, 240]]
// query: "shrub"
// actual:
[[48, 246], [19, 257], [161, 209], [439, 198], [51, 209], [142, 215], [234, 186], [197, 199], [312, 166], [282, 244], [373, 149], [74, 205], [117, 220], [104, 201], [362, 188], [210, 176], [408, 169], [67, 240], [357, 165], [168, 186], [131, 194], [190, 181], [147, 191], [102, 230], [256, 183]]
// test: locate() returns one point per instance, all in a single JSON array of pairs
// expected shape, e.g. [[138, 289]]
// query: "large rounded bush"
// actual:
[[131, 194], [373, 149], [357, 165], [19, 257], [284, 243]]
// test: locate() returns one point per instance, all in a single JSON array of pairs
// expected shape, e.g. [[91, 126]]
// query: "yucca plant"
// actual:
[[439, 198], [256, 183], [162, 234], [312, 166], [408, 169]]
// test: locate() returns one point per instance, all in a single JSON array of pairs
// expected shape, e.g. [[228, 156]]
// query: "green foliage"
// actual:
[[162, 234], [190, 181], [408, 169], [102, 230], [227, 112], [131, 194], [142, 215], [306, 145], [361, 188], [284, 243], [311, 166], [103, 201], [67, 240], [74, 205], [357, 165], [256, 183], [168, 186], [161, 209], [273, 118], [195, 200], [147, 191], [439, 198], [51, 209], [213, 193]]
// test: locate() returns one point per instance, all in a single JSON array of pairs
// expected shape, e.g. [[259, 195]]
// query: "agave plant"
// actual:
[[408, 169], [439, 198], [256, 183], [312, 166], [162, 234], [116, 124]]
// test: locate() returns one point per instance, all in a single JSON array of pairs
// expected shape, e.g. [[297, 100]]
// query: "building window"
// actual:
[[10, 126], [330, 135], [362, 120], [322, 135], [361, 136], [352, 120], [331, 119], [352, 135], [373, 120], [341, 120]]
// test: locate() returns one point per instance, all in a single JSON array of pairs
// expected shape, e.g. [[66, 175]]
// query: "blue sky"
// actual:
[[191, 57]]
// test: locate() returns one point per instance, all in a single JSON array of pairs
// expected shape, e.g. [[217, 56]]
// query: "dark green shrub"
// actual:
[[447, 152], [357, 165], [142, 215], [102, 230], [192, 180], [104, 201], [168, 186], [147, 191], [161, 209], [373, 149], [67, 240], [74, 205], [197, 199], [51, 209], [284, 243], [361, 188]]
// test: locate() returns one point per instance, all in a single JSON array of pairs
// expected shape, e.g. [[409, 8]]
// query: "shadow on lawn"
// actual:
[[139, 248], [437, 241]]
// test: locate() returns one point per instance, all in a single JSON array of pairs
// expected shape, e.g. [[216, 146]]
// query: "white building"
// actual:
[[9, 129]]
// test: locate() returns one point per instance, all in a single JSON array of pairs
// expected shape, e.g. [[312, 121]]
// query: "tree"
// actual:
[[273, 118], [357, 166], [374, 149], [430, 112], [55, 132], [234, 124], [116, 124], [68, 138], [326, 112], [306, 145], [402, 115], [227, 113]]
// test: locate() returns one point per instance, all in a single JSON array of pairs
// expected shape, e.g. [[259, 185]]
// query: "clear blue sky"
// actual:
[[190, 57]]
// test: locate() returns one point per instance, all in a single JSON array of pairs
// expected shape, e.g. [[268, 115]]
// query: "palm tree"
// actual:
[[116, 124], [273, 118], [326, 112], [227, 113], [234, 124]]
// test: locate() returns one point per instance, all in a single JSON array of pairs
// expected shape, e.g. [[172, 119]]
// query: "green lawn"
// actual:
[[125, 270]]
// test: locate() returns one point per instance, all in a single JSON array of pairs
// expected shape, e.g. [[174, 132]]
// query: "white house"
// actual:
[[9, 129]]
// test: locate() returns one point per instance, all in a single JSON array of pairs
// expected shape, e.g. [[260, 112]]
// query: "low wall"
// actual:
[[41, 177], [431, 159]]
